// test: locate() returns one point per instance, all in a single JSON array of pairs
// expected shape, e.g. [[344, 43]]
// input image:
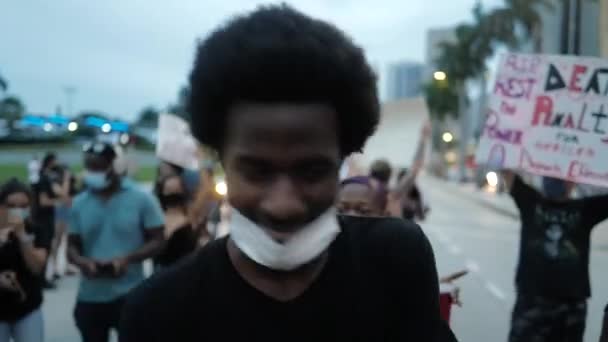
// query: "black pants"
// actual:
[[94, 320], [537, 319]]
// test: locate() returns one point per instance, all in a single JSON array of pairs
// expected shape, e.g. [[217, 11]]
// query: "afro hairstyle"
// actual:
[[276, 54]]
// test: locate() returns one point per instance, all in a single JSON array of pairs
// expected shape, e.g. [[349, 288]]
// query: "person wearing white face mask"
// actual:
[[113, 227], [284, 99], [24, 248]]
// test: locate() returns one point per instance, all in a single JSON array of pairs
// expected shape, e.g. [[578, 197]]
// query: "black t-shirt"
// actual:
[[379, 284], [45, 215], [554, 246], [11, 307], [182, 242]]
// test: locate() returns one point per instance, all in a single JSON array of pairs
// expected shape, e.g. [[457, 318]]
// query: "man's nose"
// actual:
[[283, 203]]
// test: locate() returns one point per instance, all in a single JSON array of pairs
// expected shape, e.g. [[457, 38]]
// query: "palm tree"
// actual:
[[11, 109], [524, 14], [3, 84], [148, 117]]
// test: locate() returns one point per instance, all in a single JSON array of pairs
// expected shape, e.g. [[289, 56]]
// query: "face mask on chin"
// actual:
[[298, 249]]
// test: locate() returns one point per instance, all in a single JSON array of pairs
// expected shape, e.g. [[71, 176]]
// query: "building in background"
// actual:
[[405, 80], [434, 38], [592, 19], [604, 28]]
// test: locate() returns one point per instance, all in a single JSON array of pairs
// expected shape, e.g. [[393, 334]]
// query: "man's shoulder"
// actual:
[[81, 198], [177, 286], [385, 235], [135, 193], [380, 227]]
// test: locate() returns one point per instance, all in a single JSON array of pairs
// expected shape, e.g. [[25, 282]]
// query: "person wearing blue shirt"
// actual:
[[114, 226]]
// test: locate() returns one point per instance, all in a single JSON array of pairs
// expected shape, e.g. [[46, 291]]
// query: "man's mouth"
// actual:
[[279, 236]]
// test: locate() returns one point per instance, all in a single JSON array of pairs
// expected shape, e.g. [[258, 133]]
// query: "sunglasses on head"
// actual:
[[98, 148]]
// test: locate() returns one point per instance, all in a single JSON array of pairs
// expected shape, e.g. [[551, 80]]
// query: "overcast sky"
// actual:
[[122, 55]]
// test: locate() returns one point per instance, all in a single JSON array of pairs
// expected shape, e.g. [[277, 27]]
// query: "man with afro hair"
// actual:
[[284, 99]]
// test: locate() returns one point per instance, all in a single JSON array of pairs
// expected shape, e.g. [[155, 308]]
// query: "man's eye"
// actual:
[[256, 174], [313, 174]]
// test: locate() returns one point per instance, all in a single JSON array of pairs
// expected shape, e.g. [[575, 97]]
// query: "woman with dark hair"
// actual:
[[180, 233], [48, 195], [24, 249]]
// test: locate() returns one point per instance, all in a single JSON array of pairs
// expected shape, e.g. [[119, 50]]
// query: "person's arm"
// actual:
[[75, 247], [596, 209], [604, 337], [44, 197], [407, 182], [63, 190], [522, 193], [33, 254], [154, 242]]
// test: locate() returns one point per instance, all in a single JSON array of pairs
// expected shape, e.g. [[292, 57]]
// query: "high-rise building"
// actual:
[[434, 39], [590, 34], [603, 28], [405, 80]]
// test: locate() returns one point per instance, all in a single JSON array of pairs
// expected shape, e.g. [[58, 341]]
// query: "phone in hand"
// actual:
[[105, 269]]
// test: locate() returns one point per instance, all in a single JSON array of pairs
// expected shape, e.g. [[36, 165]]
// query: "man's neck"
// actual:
[[279, 285], [110, 190]]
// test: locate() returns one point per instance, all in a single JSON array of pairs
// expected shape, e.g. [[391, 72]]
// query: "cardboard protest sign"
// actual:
[[176, 143], [548, 115]]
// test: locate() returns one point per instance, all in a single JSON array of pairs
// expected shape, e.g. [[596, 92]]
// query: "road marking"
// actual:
[[472, 266], [496, 291]]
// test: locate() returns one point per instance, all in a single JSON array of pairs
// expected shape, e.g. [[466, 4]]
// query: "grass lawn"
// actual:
[[8, 171]]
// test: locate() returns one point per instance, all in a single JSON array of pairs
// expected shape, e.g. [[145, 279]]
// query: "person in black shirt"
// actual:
[[552, 278], [48, 196], [180, 235], [23, 252], [284, 98]]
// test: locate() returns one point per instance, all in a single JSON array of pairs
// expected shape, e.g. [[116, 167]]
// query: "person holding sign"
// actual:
[[553, 271]]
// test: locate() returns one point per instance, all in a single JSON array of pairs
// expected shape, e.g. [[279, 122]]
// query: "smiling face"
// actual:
[[281, 163]]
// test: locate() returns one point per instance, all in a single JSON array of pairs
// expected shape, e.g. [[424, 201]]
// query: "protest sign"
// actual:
[[548, 115], [175, 142]]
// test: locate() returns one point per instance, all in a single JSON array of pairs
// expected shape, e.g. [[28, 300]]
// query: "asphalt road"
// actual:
[[464, 234], [468, 235]]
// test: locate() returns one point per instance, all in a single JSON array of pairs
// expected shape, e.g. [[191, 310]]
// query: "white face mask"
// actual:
[[300, 248], [96, 180], [22, 213]]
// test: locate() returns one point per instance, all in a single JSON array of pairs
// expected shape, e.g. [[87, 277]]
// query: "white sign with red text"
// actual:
[[548, 115]]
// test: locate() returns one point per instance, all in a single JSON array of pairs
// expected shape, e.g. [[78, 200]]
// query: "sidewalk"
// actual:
[[503, 204]]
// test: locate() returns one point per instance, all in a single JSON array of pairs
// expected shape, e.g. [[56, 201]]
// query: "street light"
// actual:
[[447, 137], [221, 188], [73, 126], [492, 179], [106, 127], [440, 76]]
